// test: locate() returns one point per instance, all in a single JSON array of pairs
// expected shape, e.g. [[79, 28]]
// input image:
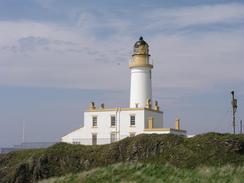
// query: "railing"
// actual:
[[90, 141]]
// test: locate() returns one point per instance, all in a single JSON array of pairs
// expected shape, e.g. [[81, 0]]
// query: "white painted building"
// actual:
[[105, 125]]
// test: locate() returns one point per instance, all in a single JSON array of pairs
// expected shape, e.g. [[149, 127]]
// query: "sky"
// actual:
[[57, 55]]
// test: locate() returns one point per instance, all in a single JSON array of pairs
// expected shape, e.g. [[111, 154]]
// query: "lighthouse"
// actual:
[[141, 75], [104, 125]]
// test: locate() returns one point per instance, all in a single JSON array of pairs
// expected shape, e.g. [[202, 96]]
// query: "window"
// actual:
[[132, 134], [94, 139], [76, 141], [113, 121], [132, 120], [113, 137], [94, 121]]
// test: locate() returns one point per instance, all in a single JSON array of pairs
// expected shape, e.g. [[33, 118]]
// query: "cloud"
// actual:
[[98, 48], [197, 52], [31, 43], [201, 15], [56, 56], [198, 63]]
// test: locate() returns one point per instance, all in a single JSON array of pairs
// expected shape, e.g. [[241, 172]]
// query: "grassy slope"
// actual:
[[151, 173], [204, 150]]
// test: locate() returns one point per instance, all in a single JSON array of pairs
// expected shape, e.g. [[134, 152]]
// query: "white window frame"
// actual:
[[132, 115], [76, 141], [111, 122], [94, 122]]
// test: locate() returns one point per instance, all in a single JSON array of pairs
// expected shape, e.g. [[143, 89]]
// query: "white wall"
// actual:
[[157, 118], [124, 122], [167, 131], [70, 137], [141, 86], [104, 129], [122, 129]]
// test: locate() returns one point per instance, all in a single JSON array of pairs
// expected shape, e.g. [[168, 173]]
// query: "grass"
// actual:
[[151, 173], [207, 150]]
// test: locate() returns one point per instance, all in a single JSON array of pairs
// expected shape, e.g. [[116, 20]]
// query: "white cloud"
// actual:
[[201, 62], [189, 58], [45, 54], [35, 54], [195, 16]]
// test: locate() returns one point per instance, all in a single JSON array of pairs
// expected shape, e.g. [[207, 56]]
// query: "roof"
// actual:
[[121, 109]]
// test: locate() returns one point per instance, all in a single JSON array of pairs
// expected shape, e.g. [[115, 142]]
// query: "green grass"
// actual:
[[151, 173], [207, 150]]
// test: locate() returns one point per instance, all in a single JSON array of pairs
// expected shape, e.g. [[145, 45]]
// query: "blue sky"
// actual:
[[57, 55]]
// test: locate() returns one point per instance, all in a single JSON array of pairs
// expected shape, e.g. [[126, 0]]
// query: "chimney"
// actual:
[[92, 106], [148, 104], [156, 107], [177, 124]]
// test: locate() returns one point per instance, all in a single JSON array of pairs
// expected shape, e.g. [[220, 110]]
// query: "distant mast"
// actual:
[[23, 131], [234, 108]]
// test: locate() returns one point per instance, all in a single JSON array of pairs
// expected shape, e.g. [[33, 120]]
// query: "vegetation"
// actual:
[[208, 150], [151, 173]]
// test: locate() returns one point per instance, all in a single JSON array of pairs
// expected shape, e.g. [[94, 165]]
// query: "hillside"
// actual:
[[151, 173], [210, 149]]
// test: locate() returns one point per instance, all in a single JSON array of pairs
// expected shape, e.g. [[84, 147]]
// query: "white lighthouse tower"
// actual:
[[141, 77], [103, 125]]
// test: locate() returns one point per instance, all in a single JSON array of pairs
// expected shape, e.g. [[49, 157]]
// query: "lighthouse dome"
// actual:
[[141, 47]]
